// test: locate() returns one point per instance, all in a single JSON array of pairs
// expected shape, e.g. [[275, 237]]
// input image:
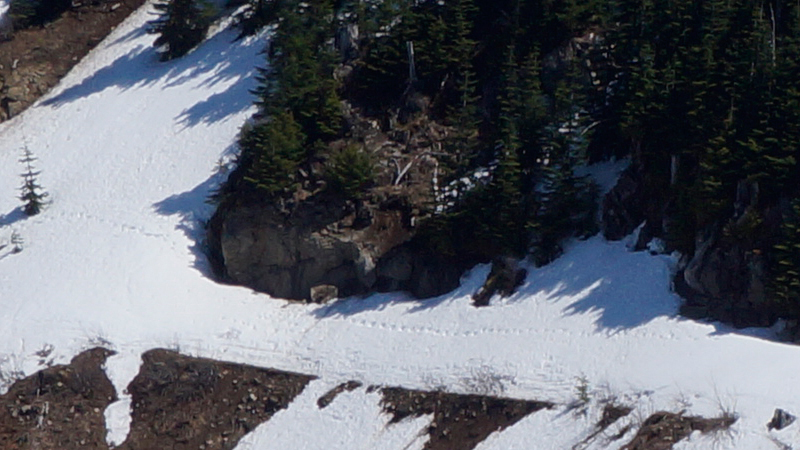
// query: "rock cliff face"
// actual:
[[317, 245], [323, 241], [726, 280], [726, 277], [623, 206], [325, 247]]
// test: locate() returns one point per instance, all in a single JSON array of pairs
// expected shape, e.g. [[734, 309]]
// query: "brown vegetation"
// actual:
[[459, 421], [59, 408], [35, 59]]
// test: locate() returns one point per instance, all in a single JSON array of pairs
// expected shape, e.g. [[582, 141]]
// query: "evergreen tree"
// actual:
[[299, 77], [181, 25], [257, 14], [382, 72], [503, 207], [785, 280], [31, 194], [271, 154], [350, 171]]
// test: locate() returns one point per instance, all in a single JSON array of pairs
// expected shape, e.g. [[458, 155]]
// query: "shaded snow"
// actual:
[[128, 146]]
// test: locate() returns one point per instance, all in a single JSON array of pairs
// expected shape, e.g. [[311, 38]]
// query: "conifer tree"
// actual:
[[181, 25], [271, 154], [785, 282], [350, 171], [382, 72], [31, 192], [299, 77], [257, 14], [504, 210]]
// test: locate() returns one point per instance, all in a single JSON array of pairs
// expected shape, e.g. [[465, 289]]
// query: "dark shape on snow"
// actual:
[[505, 277], [780, 420]]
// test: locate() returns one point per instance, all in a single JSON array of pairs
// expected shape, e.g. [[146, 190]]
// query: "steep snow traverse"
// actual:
[[128, 149]]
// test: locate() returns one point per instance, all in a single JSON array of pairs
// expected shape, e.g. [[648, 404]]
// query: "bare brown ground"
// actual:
[[663, 429], [35, 59], [460, 422], [182, 403], [185, 403], [59, 408]]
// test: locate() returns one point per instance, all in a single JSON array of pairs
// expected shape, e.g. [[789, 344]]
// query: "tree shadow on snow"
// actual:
[[130, 35], [621, 289], [351, 306], [194, 211], [10, 218], [217, 60]]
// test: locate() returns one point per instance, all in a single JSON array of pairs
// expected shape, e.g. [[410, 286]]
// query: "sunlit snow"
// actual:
[[128, 149]]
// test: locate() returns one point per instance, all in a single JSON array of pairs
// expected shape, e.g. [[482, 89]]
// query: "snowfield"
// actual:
[[129, 148]]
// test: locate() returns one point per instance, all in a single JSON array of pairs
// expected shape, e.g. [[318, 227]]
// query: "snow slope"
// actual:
[[128, 149]]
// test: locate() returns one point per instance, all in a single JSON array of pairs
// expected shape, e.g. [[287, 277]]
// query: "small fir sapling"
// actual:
[[16, 241], [32, 194]]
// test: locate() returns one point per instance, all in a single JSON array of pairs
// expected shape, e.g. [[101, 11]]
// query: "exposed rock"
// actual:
[[417, 271], [457, 420], [286, 248], [347, 41], [503, 279], [663, 429], [320, 243], [329, 396], [34, 59], [180, 402], [60, 407], [780, 420], [726, 278], [623, 206], [324, 293], [286, 254]]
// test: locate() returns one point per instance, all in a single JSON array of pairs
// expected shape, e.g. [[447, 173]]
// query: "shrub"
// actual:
[[350, 171], [27, 13]]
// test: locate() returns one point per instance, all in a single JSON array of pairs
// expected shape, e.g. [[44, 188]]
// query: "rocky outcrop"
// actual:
[[780, 420], [182, 402], [316, 245], [60, 407], [623, 206], [726, 280], [287, 253], [504, 278], [326, 246], [630, 204], [727, 276], [418, 271]]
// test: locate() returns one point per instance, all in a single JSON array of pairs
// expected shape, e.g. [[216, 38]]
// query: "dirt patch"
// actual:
[[326, 399], [60, 407], [35, 59], [183, 403], [612, 412], [459, 421], [663, 429]]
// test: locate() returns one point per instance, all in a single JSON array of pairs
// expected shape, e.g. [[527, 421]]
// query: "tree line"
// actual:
[[702, 95]]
